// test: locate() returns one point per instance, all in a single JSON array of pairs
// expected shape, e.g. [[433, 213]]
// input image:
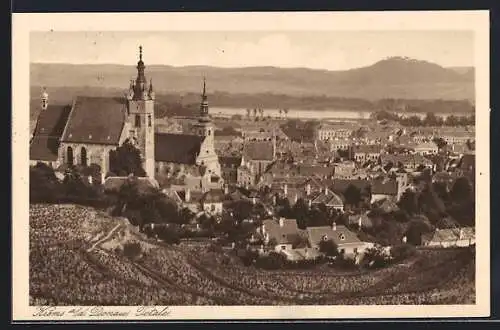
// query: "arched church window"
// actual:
[[137, 121], [69, 158], [83, 156], [209, 132], [149, 121]]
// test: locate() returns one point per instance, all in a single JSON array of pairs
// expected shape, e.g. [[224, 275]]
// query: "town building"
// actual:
[[284, 233], [455, 237], [331, 200], [330, 132], [367, 152], [426, 149], [347, 242]]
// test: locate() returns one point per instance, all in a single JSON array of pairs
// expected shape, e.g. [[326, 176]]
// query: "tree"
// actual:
[[329, 248], [300, 213], [440, 142], [352, 195], [416, 229], [125, 160], [441, 191], [461, 190], [284, 208], [402, 251], [409, 202], [44, 185], [241, 209], [428, 200]]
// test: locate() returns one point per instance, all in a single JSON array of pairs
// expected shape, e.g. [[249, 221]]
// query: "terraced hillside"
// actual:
[[76, 258]]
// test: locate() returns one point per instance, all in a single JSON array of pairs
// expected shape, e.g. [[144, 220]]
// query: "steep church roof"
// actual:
[[177, 148], [96, 120], [48, 131]]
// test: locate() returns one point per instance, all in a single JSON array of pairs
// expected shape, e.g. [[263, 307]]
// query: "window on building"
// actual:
[[83, 156], [355, 250], [149, 121], [342, 251], [137, 121], [69, 157]]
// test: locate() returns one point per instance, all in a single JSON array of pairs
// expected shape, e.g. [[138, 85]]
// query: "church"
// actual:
[[86, 131]]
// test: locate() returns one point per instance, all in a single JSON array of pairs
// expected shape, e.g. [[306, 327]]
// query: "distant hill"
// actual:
[[394, 77]]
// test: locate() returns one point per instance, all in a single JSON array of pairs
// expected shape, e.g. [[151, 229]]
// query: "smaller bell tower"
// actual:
[[205, 128], [44, 99]]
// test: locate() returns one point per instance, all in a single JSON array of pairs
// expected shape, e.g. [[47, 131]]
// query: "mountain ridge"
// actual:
[[395, 77]]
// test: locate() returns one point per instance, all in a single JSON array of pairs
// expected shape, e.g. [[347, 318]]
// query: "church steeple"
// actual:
[[204, 101], [140, 81], [45, 99], [151, 92]]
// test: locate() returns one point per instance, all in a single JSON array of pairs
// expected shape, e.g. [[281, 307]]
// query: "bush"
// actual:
[[132, 250], [273, 260], [402, 252]]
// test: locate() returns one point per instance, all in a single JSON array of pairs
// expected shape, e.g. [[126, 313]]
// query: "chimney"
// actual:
[[334, 226], [197, 226], [274, 199], [326, 191], [309, 203], [285, 189], [187, 196], [152, 226], [233, 245], [360, 223], [254, 200], [404, 240], [90, 179], [296, 198], [226, 189], [461, 234], [308, 189], [282, 222], [263, 229], [103, 177]]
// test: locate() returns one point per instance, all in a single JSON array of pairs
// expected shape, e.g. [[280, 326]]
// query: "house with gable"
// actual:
[[284, 232], [454, 237], [347, 242]]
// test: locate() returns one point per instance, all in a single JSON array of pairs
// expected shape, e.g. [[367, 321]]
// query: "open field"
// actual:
[[76, 259]]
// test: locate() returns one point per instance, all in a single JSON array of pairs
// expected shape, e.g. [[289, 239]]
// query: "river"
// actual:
[[317, 114]]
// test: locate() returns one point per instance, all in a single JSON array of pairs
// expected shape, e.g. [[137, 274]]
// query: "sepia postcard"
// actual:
[[250, 166]]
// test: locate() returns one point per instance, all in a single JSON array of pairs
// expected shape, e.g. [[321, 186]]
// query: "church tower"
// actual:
[[140, 111], [205, 128]]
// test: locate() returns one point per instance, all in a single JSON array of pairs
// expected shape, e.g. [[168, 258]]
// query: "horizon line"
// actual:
[[254, 66]]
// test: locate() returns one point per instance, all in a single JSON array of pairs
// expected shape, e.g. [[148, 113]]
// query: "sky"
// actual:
[[330, 50]]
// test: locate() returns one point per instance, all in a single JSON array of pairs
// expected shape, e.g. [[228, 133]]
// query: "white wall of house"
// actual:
[[213, 208], [351, 249], [379, 197], [283, 247]]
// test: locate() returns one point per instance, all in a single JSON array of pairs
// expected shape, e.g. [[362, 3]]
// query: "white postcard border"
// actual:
[[477, 21]]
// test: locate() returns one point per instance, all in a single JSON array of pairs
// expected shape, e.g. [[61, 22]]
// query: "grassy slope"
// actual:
[[190, 275]]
